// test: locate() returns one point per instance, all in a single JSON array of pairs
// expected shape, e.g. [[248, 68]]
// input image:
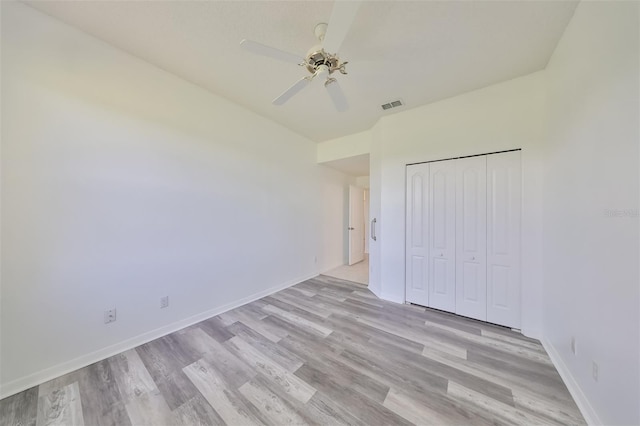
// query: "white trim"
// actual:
[[579, 397], [50, 373]]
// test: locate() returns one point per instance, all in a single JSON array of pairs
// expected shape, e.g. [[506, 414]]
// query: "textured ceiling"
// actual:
[[418, 51]]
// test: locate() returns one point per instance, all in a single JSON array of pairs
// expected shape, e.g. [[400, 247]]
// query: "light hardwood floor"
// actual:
[[325, 351]]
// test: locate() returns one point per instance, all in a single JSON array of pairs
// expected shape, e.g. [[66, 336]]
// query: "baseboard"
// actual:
[[50, 373], [589, 414]]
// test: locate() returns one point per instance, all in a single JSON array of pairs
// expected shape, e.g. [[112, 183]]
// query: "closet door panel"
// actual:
[[442, 230], [417, 236], [471, 233], [503, 238]]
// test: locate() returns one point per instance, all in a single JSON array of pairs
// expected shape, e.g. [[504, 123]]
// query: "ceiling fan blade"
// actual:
[[337, 95], [291, 91], [271, 52], [342, 16]]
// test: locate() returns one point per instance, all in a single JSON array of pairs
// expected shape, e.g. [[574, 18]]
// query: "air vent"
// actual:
[[392, 104]]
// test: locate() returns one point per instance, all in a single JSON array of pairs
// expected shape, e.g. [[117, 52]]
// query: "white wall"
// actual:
[[591, 260], [504, 116], [121, 184]]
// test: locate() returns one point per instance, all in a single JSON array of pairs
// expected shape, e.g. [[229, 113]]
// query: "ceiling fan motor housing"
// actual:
[[317, 56]]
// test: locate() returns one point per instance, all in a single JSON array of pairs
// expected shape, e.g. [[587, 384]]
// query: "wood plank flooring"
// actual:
[[325, 352]]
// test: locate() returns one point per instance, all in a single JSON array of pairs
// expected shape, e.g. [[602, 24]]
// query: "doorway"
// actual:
[[357, 267]]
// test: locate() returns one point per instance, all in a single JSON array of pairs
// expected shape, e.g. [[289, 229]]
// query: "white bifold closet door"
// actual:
[[442, 232], [503, 238], [471, 237], [463, 236], [417, 238]]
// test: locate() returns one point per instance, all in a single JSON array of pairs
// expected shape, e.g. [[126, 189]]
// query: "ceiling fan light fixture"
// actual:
[[322, 71]]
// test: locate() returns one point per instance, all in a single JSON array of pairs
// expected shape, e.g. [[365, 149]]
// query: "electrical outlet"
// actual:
[[594, 371], [573, 345], [164, 302], [109, 315]]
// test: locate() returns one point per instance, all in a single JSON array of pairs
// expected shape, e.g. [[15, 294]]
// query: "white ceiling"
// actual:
[[419, 51]]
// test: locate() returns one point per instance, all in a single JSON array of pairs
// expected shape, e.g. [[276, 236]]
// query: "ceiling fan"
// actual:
[[320, 60]]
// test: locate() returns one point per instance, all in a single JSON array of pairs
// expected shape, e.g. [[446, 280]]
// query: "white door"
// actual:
[[471, 237], [356, 224], [417, 238], [503, 238], [442, 227]]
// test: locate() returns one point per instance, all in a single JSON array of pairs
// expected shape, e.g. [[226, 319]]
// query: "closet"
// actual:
[[463, 236]]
